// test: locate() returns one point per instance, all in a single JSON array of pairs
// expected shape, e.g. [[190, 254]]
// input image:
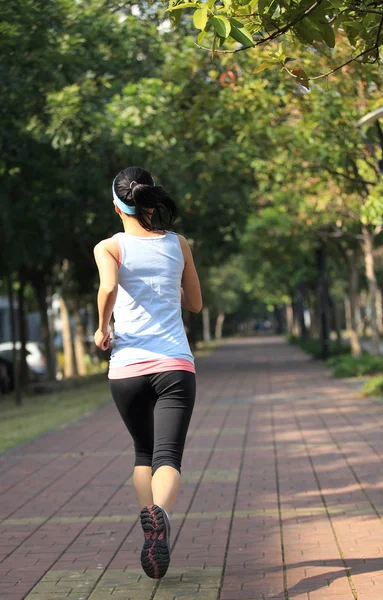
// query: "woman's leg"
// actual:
[[165, 486], [175, 392], [135, 399], [142, 479]]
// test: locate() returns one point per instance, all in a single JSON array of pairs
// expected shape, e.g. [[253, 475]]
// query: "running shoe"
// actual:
[[155, 555]]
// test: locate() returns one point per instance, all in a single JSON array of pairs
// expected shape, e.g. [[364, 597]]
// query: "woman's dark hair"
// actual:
[[135, 187]]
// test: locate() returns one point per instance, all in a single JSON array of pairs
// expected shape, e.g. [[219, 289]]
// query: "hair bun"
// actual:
[[137, 188]]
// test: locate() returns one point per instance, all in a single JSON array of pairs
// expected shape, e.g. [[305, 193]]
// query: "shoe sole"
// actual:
[[155, 555]]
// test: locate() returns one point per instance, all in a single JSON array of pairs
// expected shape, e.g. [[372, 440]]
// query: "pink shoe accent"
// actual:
[[155, 554]]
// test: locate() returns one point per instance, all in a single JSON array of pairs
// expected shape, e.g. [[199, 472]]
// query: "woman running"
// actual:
[[146, 275]]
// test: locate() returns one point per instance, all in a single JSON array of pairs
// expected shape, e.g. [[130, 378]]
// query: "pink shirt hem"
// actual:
[[151, 366]]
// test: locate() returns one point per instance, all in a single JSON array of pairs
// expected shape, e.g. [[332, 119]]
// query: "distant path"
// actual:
[[282, 494]]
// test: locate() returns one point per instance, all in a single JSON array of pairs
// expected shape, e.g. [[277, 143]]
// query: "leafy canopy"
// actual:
[[242, 24]]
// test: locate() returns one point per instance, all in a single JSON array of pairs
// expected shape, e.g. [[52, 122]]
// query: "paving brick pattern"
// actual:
[[281, 494]]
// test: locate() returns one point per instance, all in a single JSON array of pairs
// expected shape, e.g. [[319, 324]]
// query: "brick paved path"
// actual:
[[281, 496]]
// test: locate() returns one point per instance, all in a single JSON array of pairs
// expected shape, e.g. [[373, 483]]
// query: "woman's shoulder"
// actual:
[[183, 242], [110, 245], [110, 241], [182, 239]]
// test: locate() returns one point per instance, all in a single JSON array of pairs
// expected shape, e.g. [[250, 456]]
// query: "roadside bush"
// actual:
[[314, 347], [373, 387], [348, 366]]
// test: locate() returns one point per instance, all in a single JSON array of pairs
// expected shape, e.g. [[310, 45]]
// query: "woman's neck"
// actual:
[[132, 226]]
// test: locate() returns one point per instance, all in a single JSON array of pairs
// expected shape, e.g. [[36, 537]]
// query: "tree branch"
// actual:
[[352, 179], [356, 171], [336, 68], [281, 31], [339, 233], [306, 12], [272, 36], [366, 11]]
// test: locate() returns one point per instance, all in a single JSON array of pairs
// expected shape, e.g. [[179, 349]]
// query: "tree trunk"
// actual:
[[379, 309], [290, 319], [219, 325], [356, 348], [296, 328], [368, 249], [323, 298], [41, 292], [280, 321], [317, 313], [358, 315], [311, 318], [79, 347], [362, 312], [51, 327], [15, 358], [69, 363], [206, 324], [301, 312], [23, 331], [347, 310], [337, 323]]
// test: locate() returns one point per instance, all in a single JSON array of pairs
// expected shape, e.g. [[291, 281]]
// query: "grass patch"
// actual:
[[348, 366], [373, 387], [41, 413], [205, 348], [342, 363], [314, 347]]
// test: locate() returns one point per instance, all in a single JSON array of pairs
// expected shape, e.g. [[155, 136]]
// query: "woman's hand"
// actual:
[[102, 339]]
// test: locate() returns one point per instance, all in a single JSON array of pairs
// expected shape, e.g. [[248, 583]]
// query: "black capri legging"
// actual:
[[156, 410]]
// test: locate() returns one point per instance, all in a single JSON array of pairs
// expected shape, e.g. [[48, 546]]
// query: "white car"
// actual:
[[35, 357]]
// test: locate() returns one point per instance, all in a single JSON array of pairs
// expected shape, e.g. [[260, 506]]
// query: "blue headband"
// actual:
[[128, 210]]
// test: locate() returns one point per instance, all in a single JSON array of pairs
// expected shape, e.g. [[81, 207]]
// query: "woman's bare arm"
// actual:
[[106, 256], [191, 297]]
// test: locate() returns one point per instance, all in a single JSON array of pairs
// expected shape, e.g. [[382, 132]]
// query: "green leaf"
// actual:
[[262, 4], [280, 54], [214, 47], [327, 34], [307, 31], [353, 30], [243, 36], [200, 18], [175, 18], [266, 64], [201, 37], [210, 4], [237, 23], [184, 5], [222, 26]]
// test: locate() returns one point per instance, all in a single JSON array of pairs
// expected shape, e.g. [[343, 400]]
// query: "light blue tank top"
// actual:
[[147, 313]]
